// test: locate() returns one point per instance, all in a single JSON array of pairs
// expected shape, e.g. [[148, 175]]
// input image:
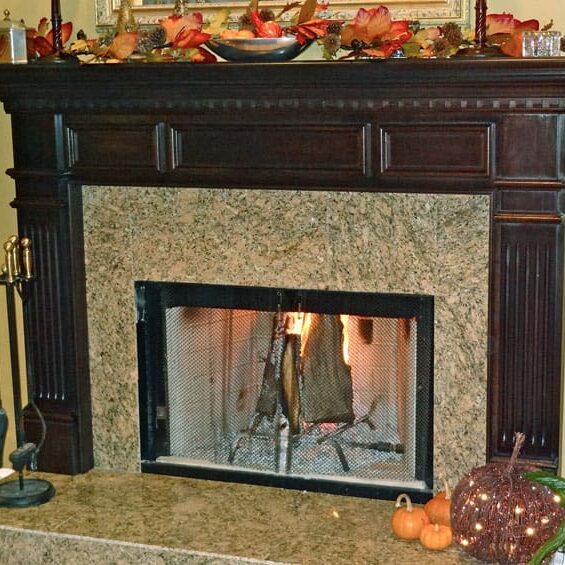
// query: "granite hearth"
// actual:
[[130, 518]]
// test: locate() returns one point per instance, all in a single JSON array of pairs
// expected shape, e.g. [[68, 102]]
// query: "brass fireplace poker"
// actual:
[[15, 275]]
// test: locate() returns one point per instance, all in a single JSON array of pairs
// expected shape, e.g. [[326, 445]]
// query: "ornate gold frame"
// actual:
[[426, 11]]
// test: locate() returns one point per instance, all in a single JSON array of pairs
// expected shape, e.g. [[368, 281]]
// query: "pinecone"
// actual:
[[266, 15], [331, 43], [150, 40], [452, 32], [245, 22], [442, 47], [335, 28]]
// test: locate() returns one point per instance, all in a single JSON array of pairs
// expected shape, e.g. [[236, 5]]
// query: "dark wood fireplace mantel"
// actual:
[[456, 126]]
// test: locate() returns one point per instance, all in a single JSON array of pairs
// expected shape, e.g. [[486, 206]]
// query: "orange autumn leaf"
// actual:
[[513, 47], [203, 56], [123, 45]]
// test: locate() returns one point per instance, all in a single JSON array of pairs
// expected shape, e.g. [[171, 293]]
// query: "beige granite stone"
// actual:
[[108, 517], [403, 243]]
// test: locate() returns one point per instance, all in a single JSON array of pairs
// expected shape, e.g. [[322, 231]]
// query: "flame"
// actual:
[[299, 323], [345, 344]]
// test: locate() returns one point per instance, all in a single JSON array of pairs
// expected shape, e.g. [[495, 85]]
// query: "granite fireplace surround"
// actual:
[[443, 177], [343, 241]]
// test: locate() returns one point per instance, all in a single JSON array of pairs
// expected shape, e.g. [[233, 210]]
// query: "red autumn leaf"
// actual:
[[265, 29], [41, 40], [191, 38], [505, 30], [312, 29], [42, 46], [4, 49], [375, 26], [66, 32], [507, 23], [178, 26]]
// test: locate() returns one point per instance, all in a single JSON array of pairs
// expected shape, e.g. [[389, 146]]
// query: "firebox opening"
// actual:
[[323, 390]]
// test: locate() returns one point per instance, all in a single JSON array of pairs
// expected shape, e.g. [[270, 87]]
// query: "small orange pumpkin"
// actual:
[[407, 522], [438, 508], [435, 536]]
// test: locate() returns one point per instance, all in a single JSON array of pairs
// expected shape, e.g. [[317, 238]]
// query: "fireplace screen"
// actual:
[[318, 387]]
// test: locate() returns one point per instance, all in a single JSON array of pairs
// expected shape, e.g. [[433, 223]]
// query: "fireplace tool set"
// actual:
[[16, 275]]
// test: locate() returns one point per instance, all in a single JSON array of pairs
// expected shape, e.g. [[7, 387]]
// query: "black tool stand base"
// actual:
[[34, 492]]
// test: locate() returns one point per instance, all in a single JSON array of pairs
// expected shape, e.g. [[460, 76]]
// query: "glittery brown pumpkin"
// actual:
[[497, 515]]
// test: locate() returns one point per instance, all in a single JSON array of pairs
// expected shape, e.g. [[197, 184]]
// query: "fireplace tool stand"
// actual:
[[16, 275]]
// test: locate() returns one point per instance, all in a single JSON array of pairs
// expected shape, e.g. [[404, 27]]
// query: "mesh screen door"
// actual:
[[319, 391]]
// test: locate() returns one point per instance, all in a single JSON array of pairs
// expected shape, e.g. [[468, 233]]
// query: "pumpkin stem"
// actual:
[[406, 498], [446, 488], [519, 439]]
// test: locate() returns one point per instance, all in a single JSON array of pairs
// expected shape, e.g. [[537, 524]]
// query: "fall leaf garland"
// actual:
[[372, 32]]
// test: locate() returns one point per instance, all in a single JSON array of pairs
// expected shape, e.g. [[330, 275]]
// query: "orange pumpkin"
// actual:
[[407, 522], [438, 508], [435, 536]]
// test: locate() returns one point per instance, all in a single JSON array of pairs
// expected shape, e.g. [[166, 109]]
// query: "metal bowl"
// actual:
[[257, 49]]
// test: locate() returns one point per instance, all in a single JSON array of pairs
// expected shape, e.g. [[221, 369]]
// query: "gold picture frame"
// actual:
[[428, 12]]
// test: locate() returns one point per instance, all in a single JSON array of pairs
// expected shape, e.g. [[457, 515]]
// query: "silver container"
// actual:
[[257, 49], [12, 41], [541, 43]]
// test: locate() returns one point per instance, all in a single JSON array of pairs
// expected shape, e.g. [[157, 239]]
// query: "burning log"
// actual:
[[327, 392], [289, 382]]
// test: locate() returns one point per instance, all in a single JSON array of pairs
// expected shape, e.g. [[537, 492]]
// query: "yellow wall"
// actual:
[[82, 14]]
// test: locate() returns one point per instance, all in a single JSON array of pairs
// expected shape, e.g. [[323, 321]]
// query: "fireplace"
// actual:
[[406, 177], [312, 389]]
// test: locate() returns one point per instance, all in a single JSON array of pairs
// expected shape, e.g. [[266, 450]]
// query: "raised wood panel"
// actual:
[[112, 144], [522, 145], [436, 149], [537, 201], [61, 450], [277, 152], [50, 214], [527, 328]]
